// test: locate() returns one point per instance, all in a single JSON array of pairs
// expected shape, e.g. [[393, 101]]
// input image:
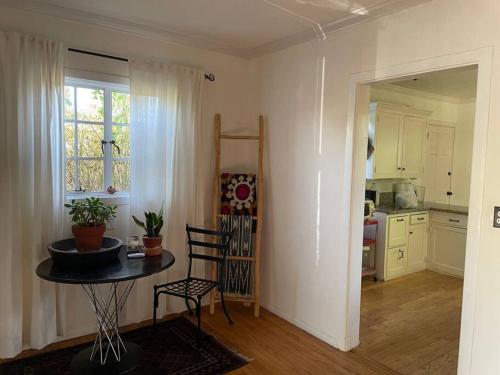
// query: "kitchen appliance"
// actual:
[[369, 208]]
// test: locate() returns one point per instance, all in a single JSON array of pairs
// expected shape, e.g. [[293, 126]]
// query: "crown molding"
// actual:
[[385, 8], [136, 27], [424, 94], [152, 31]]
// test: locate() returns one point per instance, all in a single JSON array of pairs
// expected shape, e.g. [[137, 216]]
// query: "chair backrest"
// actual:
[[220, 241]]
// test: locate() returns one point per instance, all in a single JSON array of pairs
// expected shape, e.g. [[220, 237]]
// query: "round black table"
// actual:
[[109, 354]]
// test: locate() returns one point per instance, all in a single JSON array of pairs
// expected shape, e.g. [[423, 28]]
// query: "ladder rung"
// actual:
[[227, 136], [253, 217]]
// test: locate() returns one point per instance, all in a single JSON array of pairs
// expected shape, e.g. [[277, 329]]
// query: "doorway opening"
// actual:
[[421, 135]]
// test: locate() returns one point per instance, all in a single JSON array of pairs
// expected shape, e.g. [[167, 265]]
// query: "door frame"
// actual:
[[356, 138]]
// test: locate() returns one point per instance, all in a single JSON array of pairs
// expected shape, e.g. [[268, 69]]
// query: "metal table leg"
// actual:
[[107, 302]]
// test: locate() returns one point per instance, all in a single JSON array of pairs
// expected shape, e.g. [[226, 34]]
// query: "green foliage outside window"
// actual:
[[84, 129]]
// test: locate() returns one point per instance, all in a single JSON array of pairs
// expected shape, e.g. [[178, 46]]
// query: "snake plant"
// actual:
[[153, 223]]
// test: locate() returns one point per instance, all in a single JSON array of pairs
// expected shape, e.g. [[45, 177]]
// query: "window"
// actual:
[[96, 135]]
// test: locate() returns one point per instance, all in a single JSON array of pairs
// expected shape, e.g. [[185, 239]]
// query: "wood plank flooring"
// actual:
[[408, 326], [278, 347], [412, 324], [274, 345]]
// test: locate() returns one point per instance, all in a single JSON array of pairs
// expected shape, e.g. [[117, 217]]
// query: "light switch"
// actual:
[[496, 217]]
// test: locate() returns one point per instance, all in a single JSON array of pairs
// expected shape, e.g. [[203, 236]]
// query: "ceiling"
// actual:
[[240, 27], [459, 83]]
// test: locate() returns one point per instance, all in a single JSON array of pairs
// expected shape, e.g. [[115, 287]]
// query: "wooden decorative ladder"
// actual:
[[255, 297]]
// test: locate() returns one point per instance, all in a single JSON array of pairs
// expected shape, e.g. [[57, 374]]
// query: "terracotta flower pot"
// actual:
[[152, 245], [88, 238]]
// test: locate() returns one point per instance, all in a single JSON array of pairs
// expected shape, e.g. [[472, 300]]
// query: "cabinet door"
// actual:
[[387, 136], [447, 250], [398, 229], [438, 163], [417, 247], [397, 262], [413, 146]]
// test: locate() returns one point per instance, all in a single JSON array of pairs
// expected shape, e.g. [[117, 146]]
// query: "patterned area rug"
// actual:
[[169, 349]]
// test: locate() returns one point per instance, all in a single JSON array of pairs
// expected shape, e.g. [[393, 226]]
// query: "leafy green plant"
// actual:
[[90, 212], [153, 224]]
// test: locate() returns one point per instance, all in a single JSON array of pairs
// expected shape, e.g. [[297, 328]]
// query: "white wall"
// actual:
[[305, 261], [228, 95], [460, 115]]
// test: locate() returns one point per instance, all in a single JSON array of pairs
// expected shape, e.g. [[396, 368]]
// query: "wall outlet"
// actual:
[[496, 217]]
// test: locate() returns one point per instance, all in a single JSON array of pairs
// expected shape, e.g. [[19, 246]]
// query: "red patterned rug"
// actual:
[[170, 348]]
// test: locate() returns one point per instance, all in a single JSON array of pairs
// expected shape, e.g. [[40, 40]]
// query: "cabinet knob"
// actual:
[[411, 232], [404, 169]]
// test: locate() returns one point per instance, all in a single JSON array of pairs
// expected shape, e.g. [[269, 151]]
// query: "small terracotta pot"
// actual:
[[88, 238], [152, 245]]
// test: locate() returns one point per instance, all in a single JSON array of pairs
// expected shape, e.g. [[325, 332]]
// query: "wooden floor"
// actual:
[[409, 326], [274, 345], [412, 324], [278, 347]]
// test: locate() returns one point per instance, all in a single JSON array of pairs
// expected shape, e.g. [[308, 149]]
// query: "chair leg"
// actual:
[[198, 315], [189, 307], [155, 304], [224, 306]]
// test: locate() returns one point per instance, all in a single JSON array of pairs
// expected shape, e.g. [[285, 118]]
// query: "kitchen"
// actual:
[[418, 168]]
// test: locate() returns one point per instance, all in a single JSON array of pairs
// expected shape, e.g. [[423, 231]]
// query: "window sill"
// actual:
[[119, 198]]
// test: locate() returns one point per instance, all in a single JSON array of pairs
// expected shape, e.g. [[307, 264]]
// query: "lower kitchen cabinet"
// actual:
[[447, 249], [397, 262], [408, 243], [402, 242], [417, 247]]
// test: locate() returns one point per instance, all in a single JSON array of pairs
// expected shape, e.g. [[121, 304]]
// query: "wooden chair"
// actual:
[[192, 288]]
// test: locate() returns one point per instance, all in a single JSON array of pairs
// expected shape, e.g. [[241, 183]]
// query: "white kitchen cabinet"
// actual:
[[438, 162], [401, 244], [417, 247], [418, 234], [397, 262], [448, 238], [414, 135], [398, 231], [386, 158], [398, 135]]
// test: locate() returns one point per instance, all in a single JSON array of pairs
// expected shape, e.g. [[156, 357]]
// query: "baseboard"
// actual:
[[451, 271]]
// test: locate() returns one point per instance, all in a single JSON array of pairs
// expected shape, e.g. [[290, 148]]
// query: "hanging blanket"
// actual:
[[238, 195], [238, 278]]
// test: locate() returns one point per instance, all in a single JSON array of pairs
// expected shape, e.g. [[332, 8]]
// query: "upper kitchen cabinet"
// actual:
[[398, 135]]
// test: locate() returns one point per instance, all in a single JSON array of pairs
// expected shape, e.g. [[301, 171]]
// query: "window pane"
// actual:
[[121, 138], [121, 172], [121, 107], [90, 104], [89, 140], [92, 175], [69, 139], [69, 102], [70, 175]]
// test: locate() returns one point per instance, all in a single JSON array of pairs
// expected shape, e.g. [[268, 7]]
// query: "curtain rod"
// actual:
[[208, 76]]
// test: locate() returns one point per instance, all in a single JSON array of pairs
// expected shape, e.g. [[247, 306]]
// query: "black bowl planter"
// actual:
[[65, 254]]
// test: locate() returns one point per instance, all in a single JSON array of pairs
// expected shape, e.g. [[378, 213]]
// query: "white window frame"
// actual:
[[108, 124]]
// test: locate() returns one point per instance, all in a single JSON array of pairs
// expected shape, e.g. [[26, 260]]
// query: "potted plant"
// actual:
[[89, 217], [152, 239]]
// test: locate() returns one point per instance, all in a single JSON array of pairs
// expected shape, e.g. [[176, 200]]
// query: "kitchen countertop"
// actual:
[[427, 206]]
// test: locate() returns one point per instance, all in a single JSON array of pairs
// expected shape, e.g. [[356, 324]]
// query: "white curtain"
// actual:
[[31, 186], [165, 128]]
